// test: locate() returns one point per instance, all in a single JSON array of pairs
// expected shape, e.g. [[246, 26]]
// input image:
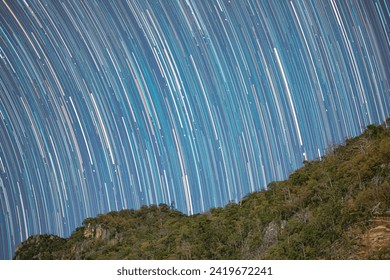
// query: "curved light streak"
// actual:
[[106, 105]]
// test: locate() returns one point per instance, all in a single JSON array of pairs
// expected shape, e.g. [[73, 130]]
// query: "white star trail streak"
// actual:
[[106, 105]]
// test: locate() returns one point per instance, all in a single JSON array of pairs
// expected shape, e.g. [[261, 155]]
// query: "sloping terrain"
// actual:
[[334, 208]]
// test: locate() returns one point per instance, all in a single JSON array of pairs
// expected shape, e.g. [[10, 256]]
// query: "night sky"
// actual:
[[106, 105]]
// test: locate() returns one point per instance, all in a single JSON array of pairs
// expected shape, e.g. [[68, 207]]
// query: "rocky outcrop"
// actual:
[[377, 237], [96, 232]]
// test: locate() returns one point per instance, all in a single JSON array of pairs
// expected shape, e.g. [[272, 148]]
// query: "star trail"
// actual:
[[106, 105]]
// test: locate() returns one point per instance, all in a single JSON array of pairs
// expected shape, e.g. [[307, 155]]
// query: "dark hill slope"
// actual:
[[336, 208]]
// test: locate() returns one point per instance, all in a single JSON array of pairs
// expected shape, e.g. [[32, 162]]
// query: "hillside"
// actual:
[[334, 208]]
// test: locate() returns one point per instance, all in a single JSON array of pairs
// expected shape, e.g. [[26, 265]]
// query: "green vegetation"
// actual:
[[334, 208]]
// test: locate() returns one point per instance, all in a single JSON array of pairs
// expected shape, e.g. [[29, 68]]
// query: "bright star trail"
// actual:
[[106, 105]]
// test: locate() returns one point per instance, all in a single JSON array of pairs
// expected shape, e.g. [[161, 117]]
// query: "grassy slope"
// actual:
[[336, 208]]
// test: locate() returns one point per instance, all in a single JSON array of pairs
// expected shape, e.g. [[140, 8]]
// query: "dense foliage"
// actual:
[[337, 207]]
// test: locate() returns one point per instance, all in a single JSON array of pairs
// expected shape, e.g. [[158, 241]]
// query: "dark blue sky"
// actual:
[[106, 105]]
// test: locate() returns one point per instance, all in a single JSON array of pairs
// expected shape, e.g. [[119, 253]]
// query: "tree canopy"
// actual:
[[334, 208]]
